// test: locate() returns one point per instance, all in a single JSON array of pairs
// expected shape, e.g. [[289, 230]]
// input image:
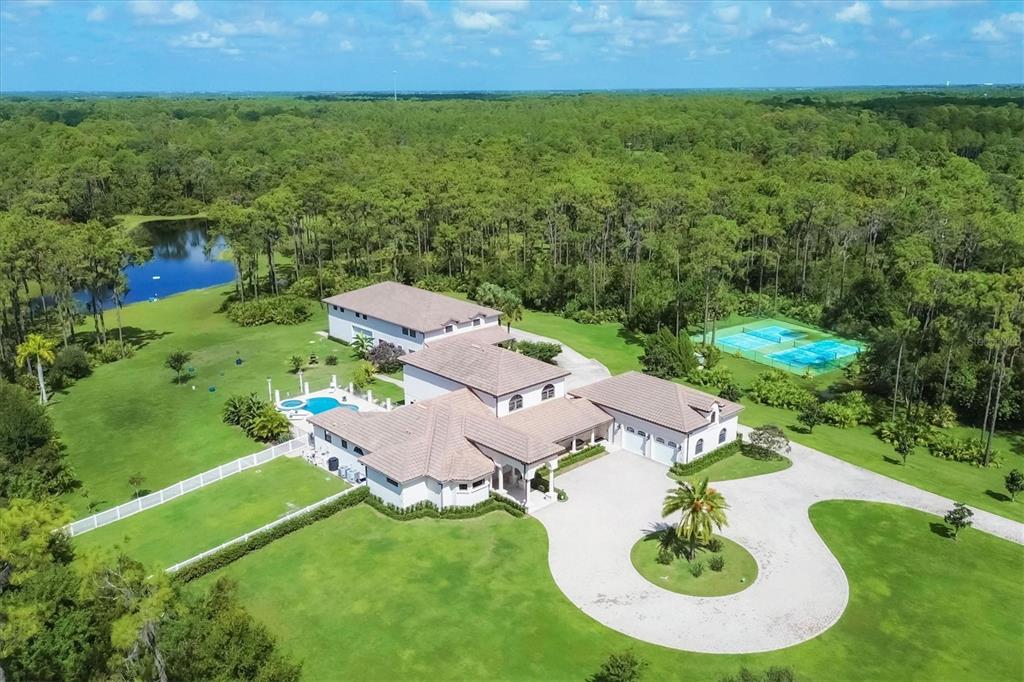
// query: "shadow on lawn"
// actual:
[[630, 337], [941, 529], [133, 336], [998, 496]]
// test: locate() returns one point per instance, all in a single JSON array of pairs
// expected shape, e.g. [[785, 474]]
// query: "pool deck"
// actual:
[[299, 418]]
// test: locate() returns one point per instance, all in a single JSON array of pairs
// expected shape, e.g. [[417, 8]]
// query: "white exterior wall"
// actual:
[[687, 443], [426, 489], [421, 384], [346, 456], [531, 395], [453, 497], [341, 325]]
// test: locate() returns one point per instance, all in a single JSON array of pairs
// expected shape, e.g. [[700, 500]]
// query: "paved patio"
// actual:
[[801, 589]]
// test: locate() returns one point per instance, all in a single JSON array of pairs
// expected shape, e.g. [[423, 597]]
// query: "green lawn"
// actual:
[[739, 466], [610, 344], [130, 416], [739, 572], [460, 600], [203, 519]]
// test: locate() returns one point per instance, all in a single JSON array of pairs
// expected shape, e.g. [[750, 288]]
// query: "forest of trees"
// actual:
[[897, 220]]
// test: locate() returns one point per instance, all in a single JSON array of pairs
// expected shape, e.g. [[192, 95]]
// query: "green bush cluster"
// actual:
[[428, 510], [778, 389], [235, 552], [112, 351], [538, 350], [959, 450], [285, 309], [258, 418], [850, 409], [717, 455], [716, 563]]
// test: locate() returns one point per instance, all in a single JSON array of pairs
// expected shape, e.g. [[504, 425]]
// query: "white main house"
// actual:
[[480, 418]]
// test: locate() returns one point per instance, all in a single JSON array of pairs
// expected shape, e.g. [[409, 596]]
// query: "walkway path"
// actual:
[[390, 380], [801, 590], [584, 370]]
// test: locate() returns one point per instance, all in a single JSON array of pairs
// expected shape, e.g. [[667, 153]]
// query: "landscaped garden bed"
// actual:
[[709, 574]]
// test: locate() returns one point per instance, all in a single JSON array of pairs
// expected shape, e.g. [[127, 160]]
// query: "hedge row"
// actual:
[[707, 460], [428, 510], [235, 552]]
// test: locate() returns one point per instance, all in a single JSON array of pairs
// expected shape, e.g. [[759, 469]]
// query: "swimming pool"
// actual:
[[316, 404]]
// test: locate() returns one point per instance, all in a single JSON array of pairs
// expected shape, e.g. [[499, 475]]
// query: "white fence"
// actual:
[[180, 488], [242, 538]]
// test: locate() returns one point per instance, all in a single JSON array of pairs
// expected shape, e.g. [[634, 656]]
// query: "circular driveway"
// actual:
[[800, 590]]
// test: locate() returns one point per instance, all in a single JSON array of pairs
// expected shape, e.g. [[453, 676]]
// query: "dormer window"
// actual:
[[449, 328], [476, 321], [515, 403]]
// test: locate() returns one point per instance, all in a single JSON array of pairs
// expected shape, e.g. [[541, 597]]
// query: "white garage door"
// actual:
[[662, 452], [632, 441]]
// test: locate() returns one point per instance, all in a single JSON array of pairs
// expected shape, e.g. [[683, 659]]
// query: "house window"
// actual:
[[641, 434], [340, 309], [358, 450], [477, 484], [476, 322], [700, 446], [392, 482], [672, 444], [463, 486], [448, 329], [660, 440], [547, 392], [411, 333], [327, 437], [344, 443], [515, 403], [630, 429]]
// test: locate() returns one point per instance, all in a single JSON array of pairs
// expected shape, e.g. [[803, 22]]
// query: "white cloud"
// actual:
[[987, 31], [797, 44], [495, 5], [258, 27], [857, 13], [494, 51], [97, 13], [233, 51], [200, 40], [346, 45], [477, 21], [728, 15], [997, 30], [541, 44], [317, 18], [917, 5], [186, 10], [658, 9]]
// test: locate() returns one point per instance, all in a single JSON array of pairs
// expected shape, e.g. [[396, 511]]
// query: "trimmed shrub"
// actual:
[[847, 410], [384, 357], [958, 450], [72, 363], [538, 350], [428, 510], [697, 569], [714, 545], [235, 552], [731, 391], [112, 351], [717, 455], [239, 410], [284, 309], [775, 388], [716, 563], [942, 416], [331, 360]]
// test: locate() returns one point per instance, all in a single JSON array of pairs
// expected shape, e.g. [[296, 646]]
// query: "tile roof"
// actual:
[[435, 438], [409, 306], [491, 369], [656, 400], [555, 420], [491, 334]]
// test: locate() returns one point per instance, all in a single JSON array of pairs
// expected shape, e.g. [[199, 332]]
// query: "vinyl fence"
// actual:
[[180, 488], [242, 538]]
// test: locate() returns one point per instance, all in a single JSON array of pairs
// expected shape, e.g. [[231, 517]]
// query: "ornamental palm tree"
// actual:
[[40, 349], [702, 507], [362, 344]]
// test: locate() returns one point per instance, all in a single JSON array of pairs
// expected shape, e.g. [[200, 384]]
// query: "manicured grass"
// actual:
[[203, 519], [459, 600], [610, 344], [738, 574], [130, 416], [739, 466]]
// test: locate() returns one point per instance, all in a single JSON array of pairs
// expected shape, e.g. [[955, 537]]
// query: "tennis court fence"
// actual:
[[184, 487]]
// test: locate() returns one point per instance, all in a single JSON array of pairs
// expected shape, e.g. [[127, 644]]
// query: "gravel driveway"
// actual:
[[584, 370], [800, 590]]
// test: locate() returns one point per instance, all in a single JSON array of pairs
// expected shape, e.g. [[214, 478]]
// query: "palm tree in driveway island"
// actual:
[[702, 507]]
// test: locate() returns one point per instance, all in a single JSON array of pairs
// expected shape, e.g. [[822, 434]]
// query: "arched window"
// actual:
[[515, 403], [721, 436], [700, 446], [547, 392]]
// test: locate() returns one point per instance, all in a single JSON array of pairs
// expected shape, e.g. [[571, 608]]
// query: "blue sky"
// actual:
[[205, 45]]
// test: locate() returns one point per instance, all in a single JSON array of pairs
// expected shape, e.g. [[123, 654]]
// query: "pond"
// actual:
[[179, 262]]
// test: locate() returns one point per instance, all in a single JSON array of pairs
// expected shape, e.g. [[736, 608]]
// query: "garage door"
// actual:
[[662, 452], [632, 441]]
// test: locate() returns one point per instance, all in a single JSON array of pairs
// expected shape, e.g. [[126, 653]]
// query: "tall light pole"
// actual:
[[394, 83]]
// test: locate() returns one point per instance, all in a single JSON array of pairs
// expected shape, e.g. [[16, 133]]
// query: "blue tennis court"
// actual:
[[774, 333], [815, 354], [743, 341]]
